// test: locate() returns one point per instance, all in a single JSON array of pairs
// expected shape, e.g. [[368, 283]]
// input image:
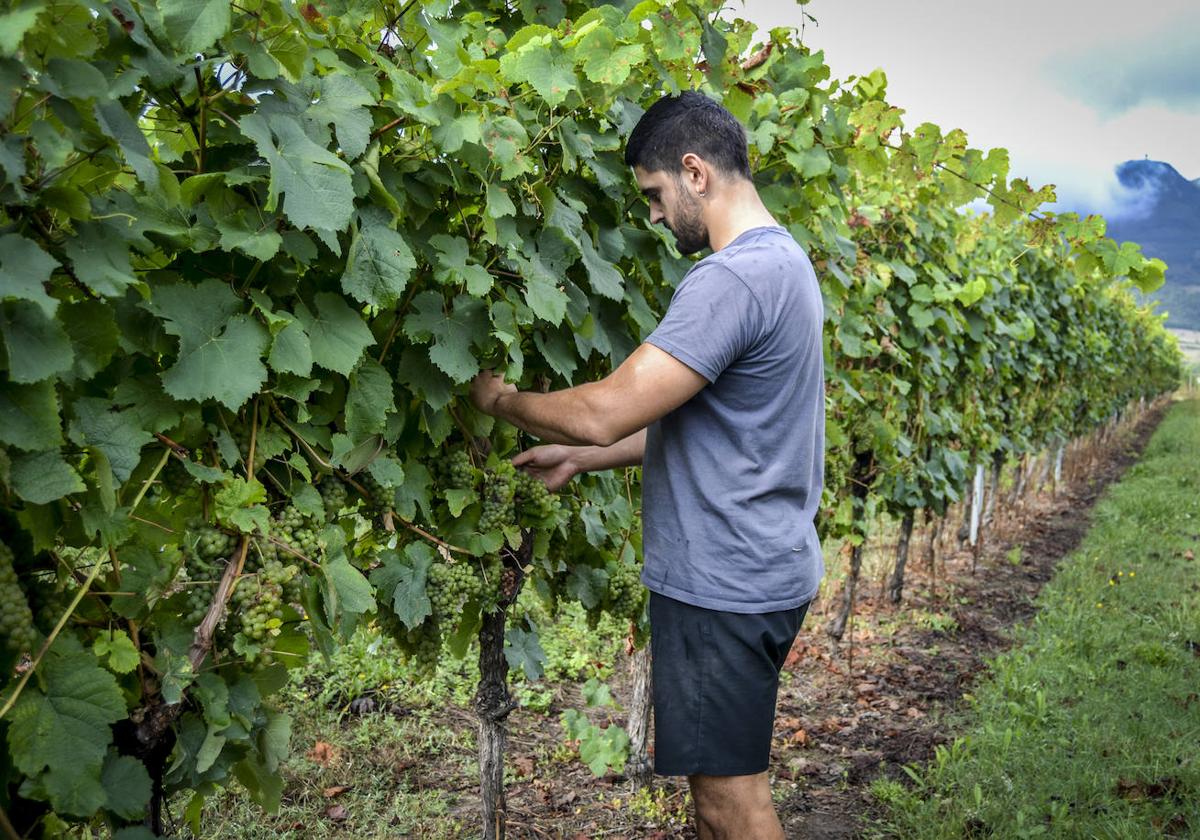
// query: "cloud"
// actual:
[[1163, 68], [1000, 72]]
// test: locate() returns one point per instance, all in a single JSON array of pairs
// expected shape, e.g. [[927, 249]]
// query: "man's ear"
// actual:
[[696, 172]]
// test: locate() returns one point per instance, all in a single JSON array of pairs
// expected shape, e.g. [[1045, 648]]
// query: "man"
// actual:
[[723, 405]]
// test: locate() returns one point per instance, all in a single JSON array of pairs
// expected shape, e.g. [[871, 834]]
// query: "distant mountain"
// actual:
[[1163, 216]]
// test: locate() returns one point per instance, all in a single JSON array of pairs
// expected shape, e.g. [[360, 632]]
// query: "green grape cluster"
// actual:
[[458, 473], [534, 501], [626, 594], [499, 486], [292, 528], [379, 497], [257, 605], [449, 586], [197, 599], [334, 495], [16, 619], [209, 543], [491, 575]]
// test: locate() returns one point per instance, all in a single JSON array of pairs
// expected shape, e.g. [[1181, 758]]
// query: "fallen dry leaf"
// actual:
[[336, 790], [323, 753], [523, 765], [337, 813], [1189, 555], [799, 738]]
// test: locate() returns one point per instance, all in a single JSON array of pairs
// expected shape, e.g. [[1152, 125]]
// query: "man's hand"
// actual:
[[486, 388], [551, 464]]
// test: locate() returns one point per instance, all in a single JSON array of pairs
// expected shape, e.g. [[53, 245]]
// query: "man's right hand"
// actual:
[[552, 464]]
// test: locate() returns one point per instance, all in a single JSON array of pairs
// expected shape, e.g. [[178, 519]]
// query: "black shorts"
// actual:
[[715, 678]]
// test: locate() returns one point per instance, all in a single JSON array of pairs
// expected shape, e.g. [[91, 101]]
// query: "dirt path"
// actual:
[[848, 712]]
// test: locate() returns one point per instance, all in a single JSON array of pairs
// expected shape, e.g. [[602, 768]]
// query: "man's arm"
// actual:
[[556, 464], [647, 385]]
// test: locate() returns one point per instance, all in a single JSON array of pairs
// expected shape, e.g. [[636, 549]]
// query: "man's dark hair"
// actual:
[[689, 122]]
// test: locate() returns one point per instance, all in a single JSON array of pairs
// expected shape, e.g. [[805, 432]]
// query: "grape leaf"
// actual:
[[42, 477], [341, 101], [603, 61], [348, 591], [368, 400], [387, 471], [291, 351], [101, 260], [274, 739], [498, 202], [117, 124], [12, 162], [378, 265], [37, 346], [94, 336], [455, 266], [404, 577], [13, 26], [244, 231], [336, 334], [29, 416], [544, 67], [127, 786], [122, 655], [505, 139], [452, 333], [24, 270], [587, 585], [542, 292], [220, 348], [451, 134], [194, 25], [238, 505], [523, 650], [116, 433], [602, 275], [66, 729], [314, 182], [414, 491], [210, 750]]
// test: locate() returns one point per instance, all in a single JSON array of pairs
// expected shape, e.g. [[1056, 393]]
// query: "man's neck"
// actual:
[[730, 215]]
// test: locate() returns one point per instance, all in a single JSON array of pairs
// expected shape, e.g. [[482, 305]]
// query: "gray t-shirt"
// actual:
[[732, 478]]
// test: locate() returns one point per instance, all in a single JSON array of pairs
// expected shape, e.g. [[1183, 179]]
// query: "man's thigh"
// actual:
[[715, 678]]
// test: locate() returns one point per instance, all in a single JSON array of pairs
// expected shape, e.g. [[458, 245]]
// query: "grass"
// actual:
[[1089, 726]]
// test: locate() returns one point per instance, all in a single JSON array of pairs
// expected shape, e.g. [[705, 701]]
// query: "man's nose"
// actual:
[[656, 216]]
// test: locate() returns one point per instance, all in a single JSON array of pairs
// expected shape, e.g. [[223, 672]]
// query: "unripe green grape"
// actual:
[[17, 632], [497, 497], [334, 495]]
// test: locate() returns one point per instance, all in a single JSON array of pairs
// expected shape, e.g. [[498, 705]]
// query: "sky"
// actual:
[[1070, 87]]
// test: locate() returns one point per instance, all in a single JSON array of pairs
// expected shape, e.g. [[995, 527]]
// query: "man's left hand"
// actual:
[[487, 387]]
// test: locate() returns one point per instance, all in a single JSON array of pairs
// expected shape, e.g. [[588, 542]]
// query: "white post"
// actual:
[[976, 503], [1058, 462]]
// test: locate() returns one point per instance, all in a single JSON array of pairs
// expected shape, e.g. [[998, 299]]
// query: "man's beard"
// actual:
[[690, 233]]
